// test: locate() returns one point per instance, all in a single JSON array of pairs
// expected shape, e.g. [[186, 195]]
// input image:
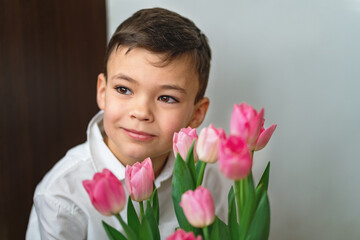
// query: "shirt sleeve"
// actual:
[[59, 218], [32, 231]]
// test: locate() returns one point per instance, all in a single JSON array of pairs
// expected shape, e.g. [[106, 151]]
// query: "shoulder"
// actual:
[[64, 179], [76, 161], [60, 197]]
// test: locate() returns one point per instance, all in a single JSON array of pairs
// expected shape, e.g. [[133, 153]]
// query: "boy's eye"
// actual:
[[167, 99], [123, 90]]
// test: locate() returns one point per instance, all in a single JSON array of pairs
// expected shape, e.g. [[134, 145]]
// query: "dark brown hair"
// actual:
[[162, 31]]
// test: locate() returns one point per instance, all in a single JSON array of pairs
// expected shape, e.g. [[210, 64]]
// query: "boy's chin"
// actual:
[[132, 158]]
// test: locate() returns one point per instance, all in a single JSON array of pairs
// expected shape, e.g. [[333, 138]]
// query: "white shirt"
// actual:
[[62, 208]]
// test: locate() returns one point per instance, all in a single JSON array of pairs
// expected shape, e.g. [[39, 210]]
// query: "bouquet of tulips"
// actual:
[[107, 195], [248, 205]]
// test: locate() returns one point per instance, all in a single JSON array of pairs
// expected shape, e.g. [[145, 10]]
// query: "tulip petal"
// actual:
[[198, 207], [180, 234], [207, 143], [101, 198], [265, 137], [139, 180], [106, 192], [246, 123], [235, 160], [183, 140]]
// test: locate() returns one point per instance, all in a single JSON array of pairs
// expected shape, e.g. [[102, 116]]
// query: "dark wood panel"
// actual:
[[50, 54]]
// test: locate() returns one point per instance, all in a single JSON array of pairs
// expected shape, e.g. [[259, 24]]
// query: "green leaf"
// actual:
[[232, 216], [219, 230], [249, 205], [260, 225], [132, 217], [215, 235], [263, 184], [181, 182], [149, 215], [128, 231], [155, 204], [112, 233], [145, 230], [190, 162], [200, 169]]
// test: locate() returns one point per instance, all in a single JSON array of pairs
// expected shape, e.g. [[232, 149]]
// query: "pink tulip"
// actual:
[[198, 207], [183, 140], [139, 180], [246, 123], [182, 235], [235, 160], [106, 193], [265, 135], [207, 144]]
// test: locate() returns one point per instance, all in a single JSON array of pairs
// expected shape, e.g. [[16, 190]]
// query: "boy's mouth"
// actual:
[[138, 135]]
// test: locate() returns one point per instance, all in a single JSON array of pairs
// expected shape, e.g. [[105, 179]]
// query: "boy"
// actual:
[[156, 71]]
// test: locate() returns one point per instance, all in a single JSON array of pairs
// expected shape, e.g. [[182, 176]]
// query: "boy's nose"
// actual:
[[142, 112]]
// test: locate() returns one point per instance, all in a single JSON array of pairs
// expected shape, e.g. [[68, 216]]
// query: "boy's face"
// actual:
[[144, 104]]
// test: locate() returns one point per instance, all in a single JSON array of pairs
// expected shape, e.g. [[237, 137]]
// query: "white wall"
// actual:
[[300, 60]]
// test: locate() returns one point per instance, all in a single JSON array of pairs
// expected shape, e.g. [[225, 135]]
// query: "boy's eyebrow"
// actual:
[[123, 77], [174, 87]]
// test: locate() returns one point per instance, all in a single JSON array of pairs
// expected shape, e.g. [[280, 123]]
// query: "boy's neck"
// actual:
[[159, 169]]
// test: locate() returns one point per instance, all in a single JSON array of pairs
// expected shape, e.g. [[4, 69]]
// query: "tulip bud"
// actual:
[[182, 235], [207, 144], [198, 207], [106, 193], [139, 180], [246, 123], [183, 140], [235, 160]]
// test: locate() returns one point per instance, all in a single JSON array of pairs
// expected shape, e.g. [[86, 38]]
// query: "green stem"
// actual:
[[127, 229], [141, 210], [206, 233], [237, 197], [201, 174], [119, 218], [242, 191]]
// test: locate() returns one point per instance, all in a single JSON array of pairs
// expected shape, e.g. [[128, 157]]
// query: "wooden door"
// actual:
[[50, 54]]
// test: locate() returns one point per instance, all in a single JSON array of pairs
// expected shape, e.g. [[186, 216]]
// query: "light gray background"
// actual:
[[300, 60]]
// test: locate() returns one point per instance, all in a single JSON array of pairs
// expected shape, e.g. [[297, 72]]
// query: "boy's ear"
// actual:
[[100, 93], [199, 114]]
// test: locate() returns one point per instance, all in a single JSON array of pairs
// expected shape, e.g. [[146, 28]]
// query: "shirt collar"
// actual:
[[167, 171], [102, 157]]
